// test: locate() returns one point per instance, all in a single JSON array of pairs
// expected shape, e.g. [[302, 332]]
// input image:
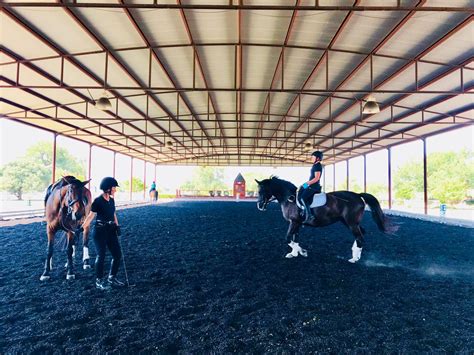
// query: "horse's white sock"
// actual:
[[356, 253], [85, 253]]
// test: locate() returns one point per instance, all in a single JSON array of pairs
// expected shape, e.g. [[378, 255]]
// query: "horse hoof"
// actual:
[[304, 253], [70, 277], [353, 261], [289, 256], [44, 277], [86, 266]]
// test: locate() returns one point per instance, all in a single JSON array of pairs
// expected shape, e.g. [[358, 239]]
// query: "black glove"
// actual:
[[118, 231]]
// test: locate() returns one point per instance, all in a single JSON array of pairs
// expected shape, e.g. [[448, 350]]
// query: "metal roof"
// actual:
[[247, 82]]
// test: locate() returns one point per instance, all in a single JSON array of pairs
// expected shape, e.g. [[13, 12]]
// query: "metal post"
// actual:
[[113, 168], [90, 163], [365, 173], [334, 176], [54, 159], [155, 175], [131, 179], [425, 177], [347, 174], [324, 179], [389, 166], [144, 179]]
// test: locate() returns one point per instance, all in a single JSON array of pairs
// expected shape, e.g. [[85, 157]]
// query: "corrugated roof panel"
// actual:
[[218, 64], [259, 65]]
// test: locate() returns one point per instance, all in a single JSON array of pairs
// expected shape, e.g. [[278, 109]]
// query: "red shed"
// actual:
[[239, 186]]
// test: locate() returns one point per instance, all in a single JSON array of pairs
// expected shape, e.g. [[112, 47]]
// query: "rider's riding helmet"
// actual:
[[107, 183], [318, 154]]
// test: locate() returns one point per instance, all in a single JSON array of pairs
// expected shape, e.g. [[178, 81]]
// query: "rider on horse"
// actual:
[[153, 186], [106, 233], [312, 186]]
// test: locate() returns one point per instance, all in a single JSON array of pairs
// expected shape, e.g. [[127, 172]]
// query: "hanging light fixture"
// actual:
[[371, 106], [103, 103]]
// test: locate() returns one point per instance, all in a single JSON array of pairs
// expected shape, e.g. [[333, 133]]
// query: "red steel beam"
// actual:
[[157, 5], [43, 39], [323, 58], [160, 63], [361, 64], [96, 39], [285, 43], [420, 88], [196, 54]]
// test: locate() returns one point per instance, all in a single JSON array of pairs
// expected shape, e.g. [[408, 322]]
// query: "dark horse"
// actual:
[[154, 195], [67, 203], [341, 206]]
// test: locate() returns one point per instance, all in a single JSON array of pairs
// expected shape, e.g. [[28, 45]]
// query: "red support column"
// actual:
[[113, 169], [54, 159], [90, 165], [144, 179], [334, 176], [347, 174], [389, 166], [131, 179], [425, 177], [324, 177], [365, 173]]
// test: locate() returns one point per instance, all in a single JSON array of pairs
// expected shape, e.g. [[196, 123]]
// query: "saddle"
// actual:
[[318, 201], [57, 185]]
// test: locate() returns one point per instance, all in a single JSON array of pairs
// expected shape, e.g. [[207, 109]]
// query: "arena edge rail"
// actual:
[[10, 215]]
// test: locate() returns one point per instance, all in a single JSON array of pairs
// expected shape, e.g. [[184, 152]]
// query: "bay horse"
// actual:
[[67, 203], [341, 206], [154, 195]]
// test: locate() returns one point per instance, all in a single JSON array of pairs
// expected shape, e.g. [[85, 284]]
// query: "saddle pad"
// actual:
[[319, 200]]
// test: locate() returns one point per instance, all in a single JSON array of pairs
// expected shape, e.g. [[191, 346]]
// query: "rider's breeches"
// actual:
[[105, 237], [306, 194]]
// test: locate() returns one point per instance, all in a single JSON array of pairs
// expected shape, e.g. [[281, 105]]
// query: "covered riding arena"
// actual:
[[150, 84]]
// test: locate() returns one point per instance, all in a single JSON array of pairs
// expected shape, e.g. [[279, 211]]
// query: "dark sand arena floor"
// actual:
[[212, 277]]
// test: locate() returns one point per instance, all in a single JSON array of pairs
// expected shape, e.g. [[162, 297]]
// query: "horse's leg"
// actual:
[[292, 238], [358, 243], [70, 265], [85, 255], [48, 263]]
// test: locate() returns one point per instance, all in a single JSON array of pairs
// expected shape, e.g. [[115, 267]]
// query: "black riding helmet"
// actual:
[[318, 154], [107, 183]]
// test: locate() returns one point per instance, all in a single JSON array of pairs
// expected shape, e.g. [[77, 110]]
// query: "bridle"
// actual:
[[266, 202], [69, 208]]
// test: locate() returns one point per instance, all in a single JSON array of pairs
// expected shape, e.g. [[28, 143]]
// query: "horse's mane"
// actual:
[[282, 184]]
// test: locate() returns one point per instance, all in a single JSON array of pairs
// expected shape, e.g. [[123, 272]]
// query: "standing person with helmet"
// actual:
[[312, 186], [105, 234]]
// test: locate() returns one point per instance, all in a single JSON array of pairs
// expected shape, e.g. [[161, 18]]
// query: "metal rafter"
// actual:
[[99, 42], [427, 84], [197, 59], [156, 57], [360, 65], [157, 5], [280, 60], [324, 57], [226, 44], [57, 104], [55, 48]]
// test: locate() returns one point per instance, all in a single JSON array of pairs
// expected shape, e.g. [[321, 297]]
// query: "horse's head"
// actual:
[[76, 199], [265, 194]]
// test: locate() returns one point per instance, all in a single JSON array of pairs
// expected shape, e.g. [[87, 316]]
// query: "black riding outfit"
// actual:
[[306, 195], [105, 235]]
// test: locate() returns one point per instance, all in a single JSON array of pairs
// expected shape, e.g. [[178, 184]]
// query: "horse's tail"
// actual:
[[377, 213]]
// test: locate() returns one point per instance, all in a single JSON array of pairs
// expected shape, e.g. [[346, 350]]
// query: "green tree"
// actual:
[[450, 176], [138, 185], [206, 178], [33, 171]]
